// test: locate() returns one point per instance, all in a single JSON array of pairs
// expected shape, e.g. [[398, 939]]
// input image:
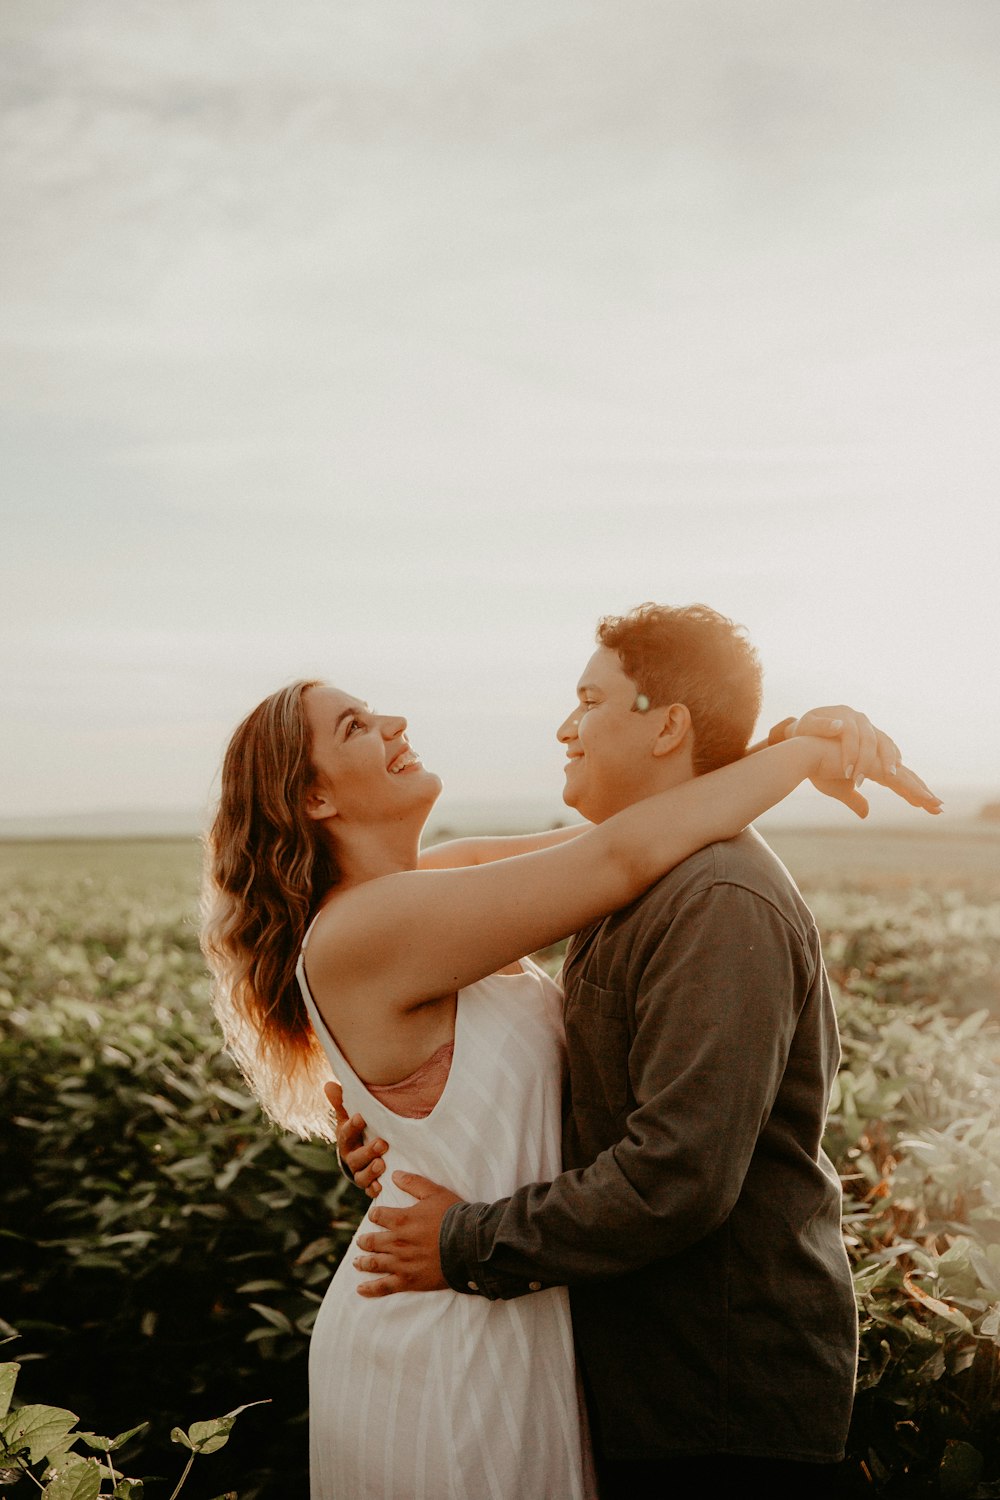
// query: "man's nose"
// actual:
[[567, 729]]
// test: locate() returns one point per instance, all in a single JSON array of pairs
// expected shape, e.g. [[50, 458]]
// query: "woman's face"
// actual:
[[365, 768]]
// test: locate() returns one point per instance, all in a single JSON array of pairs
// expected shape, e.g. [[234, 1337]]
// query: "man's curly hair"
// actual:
[[692, 655]]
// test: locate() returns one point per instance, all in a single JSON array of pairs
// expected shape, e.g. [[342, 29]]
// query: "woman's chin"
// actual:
[[433, 784]]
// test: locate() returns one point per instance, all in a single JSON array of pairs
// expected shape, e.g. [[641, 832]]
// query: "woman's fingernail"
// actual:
[[849, 772], [836, 723]]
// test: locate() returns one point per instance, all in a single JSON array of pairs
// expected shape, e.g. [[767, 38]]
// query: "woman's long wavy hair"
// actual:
[[268, 866]]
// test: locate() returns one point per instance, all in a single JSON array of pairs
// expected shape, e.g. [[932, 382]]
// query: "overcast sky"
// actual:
[[396, 342]]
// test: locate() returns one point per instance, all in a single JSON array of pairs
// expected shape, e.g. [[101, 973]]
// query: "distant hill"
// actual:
[[450, 817], [457, 816], [114, 823]]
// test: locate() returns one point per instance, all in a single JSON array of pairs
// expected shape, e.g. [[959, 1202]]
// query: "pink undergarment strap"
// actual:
[[417, 1095]]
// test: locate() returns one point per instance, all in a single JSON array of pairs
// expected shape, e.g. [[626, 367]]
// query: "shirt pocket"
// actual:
[[597, 1042]]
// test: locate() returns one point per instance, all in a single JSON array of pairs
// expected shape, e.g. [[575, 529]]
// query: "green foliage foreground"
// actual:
[[913, 1130], [36, 1438], [161, 1245], [160, 1241]]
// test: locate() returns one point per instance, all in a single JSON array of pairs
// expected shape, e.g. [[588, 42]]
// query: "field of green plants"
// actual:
[[164, 1252]]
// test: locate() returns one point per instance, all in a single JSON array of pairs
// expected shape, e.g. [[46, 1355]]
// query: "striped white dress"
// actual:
[[438, 1395]]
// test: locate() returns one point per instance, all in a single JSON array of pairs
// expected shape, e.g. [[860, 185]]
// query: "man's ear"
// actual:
[[676, 729], [319, 803]]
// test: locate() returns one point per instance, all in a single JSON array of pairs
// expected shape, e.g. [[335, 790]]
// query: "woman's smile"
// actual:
[[406, 760]]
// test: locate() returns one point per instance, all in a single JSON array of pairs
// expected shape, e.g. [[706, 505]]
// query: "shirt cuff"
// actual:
[[461, 1265], [457, 1245]]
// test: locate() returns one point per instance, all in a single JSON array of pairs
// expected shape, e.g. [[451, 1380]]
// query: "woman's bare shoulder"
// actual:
[[353, 930]]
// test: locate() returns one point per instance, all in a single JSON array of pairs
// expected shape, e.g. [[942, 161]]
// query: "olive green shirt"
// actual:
[[697, 1223]]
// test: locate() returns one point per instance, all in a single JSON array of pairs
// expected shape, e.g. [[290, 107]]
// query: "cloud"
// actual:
[[400, 341]]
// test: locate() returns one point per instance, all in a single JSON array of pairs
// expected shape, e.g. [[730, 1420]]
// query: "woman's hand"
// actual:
[[363, 1163], [863, 752], [864, 749]]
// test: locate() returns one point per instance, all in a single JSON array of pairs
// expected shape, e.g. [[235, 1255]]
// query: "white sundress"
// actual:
[[439, 1395]]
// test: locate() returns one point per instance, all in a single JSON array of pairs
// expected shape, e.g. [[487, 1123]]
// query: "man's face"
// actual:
[[609, 742]]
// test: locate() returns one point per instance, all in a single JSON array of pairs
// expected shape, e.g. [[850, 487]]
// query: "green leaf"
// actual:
[[990, 1326], [57, 1456], [76, 1479], [324, 1246], [210, 1436], [316, 1158], [128, 1489], [123, 1438], [273, 1316], [231, 1097], [178, 1435], [8, 1378], [38, 1428], [105, 1444]]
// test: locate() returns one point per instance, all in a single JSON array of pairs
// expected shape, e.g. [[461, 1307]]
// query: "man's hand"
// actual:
[[364, 1161], [864, 752], [406, 1257]]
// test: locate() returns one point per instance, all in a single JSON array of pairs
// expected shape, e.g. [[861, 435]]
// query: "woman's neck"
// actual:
[[367, 853]]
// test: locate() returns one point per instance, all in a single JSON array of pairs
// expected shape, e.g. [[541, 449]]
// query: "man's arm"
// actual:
[[715, 1017]]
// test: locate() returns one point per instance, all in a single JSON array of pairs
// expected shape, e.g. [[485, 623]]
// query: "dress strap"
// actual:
[[308, 931]]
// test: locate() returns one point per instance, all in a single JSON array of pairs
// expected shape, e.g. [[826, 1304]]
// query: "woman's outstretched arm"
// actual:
[[401, 940], [865, 749], [458, 854]]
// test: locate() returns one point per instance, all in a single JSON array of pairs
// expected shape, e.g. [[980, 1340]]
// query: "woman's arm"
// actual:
[[398, 941], [461, 853], [865, 751]]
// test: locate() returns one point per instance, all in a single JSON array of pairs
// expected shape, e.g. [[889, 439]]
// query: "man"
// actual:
[[697, 1221]]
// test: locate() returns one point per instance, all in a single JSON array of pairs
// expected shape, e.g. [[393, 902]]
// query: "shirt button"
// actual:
[[473, 1286], [534, 1286]]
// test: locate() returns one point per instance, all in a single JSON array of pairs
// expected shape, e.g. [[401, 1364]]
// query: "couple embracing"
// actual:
[[609, 1259]]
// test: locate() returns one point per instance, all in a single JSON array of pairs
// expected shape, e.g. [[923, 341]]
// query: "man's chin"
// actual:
[[573, 798]]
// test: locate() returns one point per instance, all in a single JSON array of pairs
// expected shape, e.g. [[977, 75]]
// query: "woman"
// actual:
[[334, 942]]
